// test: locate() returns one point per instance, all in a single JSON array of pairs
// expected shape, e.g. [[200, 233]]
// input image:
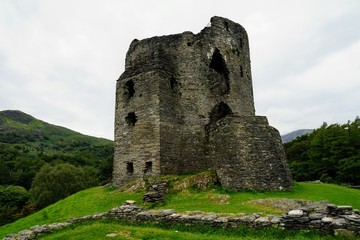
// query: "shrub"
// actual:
[[53, 183], [13, 200]]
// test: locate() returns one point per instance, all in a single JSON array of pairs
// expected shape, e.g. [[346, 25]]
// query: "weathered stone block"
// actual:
[[316, 216], [296, 213], [339, 222], [327, 220]]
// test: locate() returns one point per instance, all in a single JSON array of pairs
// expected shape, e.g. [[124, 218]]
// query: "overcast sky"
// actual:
[[60, 59]]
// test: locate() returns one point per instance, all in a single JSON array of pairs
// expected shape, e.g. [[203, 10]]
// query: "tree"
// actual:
[[349, 170], [13, 199], [331, 153], [53, 183]]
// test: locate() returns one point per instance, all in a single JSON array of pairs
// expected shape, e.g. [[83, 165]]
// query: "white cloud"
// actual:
[[59, 60], [328, 91]]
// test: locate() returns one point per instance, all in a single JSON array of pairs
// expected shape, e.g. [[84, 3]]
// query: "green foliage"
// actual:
[[14, 200], [53, 183], [331, 153], [26, 144]]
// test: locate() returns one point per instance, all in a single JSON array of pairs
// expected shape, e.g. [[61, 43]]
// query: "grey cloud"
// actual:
[[60, 59]]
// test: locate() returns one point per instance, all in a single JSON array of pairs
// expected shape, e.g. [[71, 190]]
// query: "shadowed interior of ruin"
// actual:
[[219, 74]]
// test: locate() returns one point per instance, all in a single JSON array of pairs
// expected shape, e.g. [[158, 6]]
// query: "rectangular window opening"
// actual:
[[130, 168], [148, 167]]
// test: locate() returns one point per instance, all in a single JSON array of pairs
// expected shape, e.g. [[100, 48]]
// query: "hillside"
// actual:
[[294, 134], [27, 143], [102, 199]]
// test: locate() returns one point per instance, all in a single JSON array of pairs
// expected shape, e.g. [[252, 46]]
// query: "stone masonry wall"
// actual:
[[137, 131], [337, 220], [174, 91], [252, 154]]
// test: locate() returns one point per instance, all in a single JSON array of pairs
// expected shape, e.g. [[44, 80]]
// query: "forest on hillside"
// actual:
[[41, 163], [330, 154]]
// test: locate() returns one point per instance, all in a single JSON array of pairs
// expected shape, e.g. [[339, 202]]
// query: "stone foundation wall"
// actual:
[[337, 220]]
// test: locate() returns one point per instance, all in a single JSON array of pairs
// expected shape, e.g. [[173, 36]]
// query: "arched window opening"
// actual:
[[219, 76], [129, 89], [218, 63], [220, 111], [241, 72], [131, 119]]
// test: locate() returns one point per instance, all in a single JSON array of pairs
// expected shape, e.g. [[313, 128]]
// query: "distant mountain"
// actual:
[[15, 115], [27, 143], [17, 127], [292, 135]]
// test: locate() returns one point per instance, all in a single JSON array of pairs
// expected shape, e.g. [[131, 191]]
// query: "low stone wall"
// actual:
[[329, 218]]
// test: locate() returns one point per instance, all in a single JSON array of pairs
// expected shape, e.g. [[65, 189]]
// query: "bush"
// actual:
[[53, 183], [13, 200]]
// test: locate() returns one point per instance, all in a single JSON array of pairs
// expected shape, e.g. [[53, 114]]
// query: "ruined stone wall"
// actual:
[[137, 132], [211, 67], [251, 152], [341, 221], [178, 87]]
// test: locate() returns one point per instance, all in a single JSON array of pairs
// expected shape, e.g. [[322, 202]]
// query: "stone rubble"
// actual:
[[156, 192], [337, 220]]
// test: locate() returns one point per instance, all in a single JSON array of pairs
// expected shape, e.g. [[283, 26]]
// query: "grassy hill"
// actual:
[[27, 143], [101, 199]]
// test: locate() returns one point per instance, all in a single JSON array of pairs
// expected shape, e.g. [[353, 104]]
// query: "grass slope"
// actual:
[[101, 199], [86, 202], [210, 201]]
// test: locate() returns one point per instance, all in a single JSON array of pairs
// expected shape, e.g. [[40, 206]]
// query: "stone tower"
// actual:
[[185, 104]]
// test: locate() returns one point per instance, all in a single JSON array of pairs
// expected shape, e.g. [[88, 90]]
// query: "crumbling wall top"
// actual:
[[154, 52]]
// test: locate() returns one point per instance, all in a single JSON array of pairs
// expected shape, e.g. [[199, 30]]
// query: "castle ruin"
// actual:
[[185, 104]]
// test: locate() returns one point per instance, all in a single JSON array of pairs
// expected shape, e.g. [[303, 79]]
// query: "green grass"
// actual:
[[86, 202], [208, 201], [101, 199], [99, 230]]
